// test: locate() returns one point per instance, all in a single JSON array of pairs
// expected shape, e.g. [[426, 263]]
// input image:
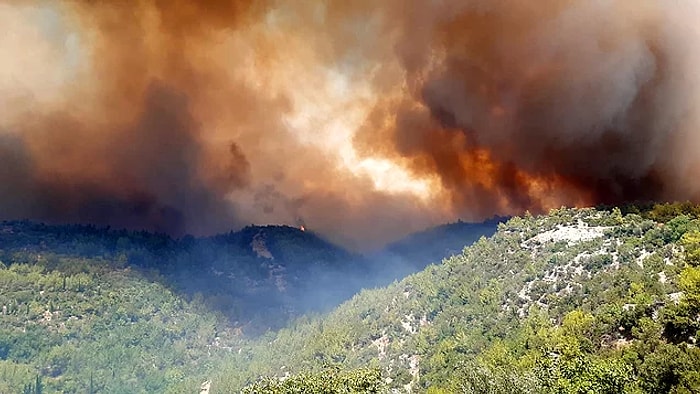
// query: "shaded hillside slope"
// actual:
[[416, 251], [258, 277]]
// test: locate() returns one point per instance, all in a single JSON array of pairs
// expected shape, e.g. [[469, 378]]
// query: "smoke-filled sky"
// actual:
[[364, 120]]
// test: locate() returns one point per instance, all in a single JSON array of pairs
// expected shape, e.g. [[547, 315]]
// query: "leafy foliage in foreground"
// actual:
[[329, 381]]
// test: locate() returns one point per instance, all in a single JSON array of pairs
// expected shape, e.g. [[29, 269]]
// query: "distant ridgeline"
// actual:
[[417, 251], [578, 301]]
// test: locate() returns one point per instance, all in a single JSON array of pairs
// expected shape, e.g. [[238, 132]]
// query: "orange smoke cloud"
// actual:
[[366, 119]]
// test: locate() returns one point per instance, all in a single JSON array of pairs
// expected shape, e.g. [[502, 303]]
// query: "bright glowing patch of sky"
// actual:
[[329, 104]]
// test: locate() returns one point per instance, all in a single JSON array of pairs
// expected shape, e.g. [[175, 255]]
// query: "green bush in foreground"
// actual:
[[329, 381]]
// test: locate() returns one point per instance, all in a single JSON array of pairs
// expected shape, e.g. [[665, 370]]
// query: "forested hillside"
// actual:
[[579, 301], [92, 309], [258, 277], [83, 326], [88, 308]]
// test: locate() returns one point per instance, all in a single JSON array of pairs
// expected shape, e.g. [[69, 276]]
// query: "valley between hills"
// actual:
[[595, 300]]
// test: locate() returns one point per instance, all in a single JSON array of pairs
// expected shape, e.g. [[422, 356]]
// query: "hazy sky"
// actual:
[[364, 120]]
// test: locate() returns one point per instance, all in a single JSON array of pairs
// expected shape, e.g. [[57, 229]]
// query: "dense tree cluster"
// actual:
[[102, 330]]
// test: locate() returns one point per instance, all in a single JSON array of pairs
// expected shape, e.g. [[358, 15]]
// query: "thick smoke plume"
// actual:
[[364, 120]]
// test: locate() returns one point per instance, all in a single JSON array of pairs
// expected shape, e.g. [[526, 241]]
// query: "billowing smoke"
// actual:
[[569, 101], [363, 120]]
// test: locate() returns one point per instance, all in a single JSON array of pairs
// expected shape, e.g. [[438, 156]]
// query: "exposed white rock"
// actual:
[[408, 324], [205, 387], [424, 321], [414, 364], [571, 234], [676, 297], [381, 343], [615, 260], [260, 247], [523, 294], [642, 256]]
